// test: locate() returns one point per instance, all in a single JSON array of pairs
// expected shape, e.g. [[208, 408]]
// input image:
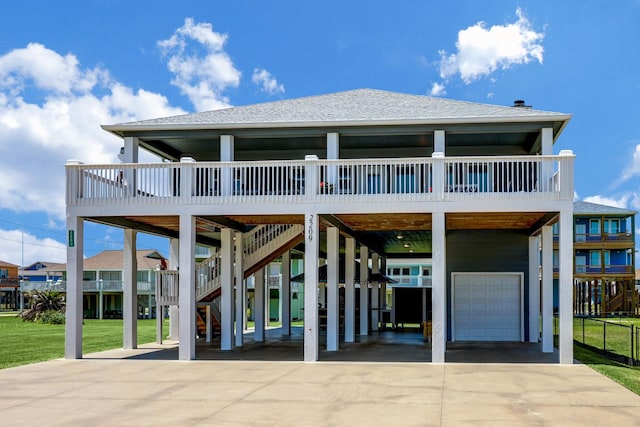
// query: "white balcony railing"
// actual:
[[143, 288], [404, 281], [419, 179]]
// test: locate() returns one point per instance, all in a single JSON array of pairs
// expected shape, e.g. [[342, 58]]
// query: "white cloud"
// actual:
[[202, 69], [15, 243], [438, 89], [37, 137], [266, 81], [481, 50], [47, 70], [633, 169], [620, 202]]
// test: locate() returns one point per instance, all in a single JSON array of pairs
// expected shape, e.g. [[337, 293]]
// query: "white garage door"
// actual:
[[487, 306]]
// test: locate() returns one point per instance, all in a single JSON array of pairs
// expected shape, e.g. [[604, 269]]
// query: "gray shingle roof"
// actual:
[[113, 259], [361, 105], [586, 208]]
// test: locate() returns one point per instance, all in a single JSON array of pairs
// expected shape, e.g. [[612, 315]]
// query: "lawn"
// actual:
[[611, 334], [625, 375], [25, 342]]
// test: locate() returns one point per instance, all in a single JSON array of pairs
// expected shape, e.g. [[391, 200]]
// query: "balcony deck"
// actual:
[[432, 179]]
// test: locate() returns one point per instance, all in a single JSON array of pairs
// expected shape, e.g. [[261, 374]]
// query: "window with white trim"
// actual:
[[612, 226]]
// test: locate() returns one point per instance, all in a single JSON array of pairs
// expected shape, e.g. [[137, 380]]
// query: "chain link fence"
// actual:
[[617, 341]]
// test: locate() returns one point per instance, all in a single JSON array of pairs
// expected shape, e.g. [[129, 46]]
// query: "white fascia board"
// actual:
[[117, 129]]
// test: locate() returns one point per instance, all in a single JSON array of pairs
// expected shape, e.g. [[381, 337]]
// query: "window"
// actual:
[[594, 258], [607, 258], [581, 232], [397, 271], [612, 226], [111, 275], [556, 261], [143, 276], [594, 226], [581, 264]]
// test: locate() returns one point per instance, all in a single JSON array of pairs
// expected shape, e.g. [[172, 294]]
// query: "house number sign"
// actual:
[[72, 239], [310, 230]]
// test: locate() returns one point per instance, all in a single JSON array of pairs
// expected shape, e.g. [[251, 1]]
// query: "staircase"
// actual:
[[201, 319], [262, 245], [624, 301]]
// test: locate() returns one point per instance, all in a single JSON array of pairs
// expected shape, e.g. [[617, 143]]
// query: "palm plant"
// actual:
[[43, 304]]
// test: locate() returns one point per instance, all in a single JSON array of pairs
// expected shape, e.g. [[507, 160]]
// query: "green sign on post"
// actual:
[[72, 240]]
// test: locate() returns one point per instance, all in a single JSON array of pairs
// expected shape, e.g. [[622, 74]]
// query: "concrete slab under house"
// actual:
[[350, 181]]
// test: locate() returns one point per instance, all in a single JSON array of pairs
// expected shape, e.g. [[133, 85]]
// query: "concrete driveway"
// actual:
[[111, 388]]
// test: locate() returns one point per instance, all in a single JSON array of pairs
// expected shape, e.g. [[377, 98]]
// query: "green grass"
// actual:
[[618, 335], [25, 342], [625, 375]]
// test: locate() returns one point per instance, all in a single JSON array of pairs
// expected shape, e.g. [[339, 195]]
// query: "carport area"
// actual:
[[136, 387], [406, 346]]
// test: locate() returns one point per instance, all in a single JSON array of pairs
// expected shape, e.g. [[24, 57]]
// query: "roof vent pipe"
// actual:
[[519, 103]]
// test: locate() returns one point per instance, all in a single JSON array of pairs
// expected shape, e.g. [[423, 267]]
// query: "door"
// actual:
[[487, 306]]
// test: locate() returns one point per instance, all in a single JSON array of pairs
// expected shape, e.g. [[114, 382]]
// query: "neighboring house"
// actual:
[[102, 282], [9, 286], [42, 271], [604, 263], [470, 186]]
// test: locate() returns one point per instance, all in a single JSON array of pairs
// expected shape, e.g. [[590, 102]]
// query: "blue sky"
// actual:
[[67, 67]]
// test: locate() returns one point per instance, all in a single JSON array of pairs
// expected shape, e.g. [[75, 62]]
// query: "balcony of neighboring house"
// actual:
[[9, 282], [114, 286], [411, 281], [322, 181]]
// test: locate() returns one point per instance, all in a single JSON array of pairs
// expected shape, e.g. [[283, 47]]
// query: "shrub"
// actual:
[[51, 317], [44, 301]]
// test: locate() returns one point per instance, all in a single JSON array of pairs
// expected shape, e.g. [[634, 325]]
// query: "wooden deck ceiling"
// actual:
[[394, 235]]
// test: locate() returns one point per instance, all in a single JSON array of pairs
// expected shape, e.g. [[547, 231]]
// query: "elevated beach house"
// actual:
[[473, 187]]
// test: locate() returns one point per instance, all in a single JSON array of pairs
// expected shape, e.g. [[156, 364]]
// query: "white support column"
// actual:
[[439, 288], [438, 141], [174, 311], [565, 285], [547, 142], [333, 302], [209, 331], [130, 291], [131, 148], [311, 252], [286, 293], [100, 304], [227, 153], [383, 290], [364, 290], [375, 293], [241, 290], [349, 289], [159, 320], [73, 325], [547, 289], [187, 291], [259, 304], [226, 297], [333, 152], [534, 290], [130, 155], [438, 180]]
